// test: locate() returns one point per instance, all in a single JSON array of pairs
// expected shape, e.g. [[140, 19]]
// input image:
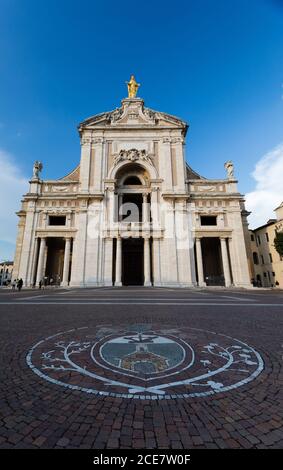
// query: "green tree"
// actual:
[[278, 243]]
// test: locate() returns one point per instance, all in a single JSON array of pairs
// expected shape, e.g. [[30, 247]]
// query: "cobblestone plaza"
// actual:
[[141, 368]]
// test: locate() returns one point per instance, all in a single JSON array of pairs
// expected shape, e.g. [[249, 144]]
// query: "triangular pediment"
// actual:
[[132, 114], [97, 120]]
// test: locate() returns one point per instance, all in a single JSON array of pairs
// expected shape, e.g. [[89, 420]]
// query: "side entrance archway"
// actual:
[[212, 262]]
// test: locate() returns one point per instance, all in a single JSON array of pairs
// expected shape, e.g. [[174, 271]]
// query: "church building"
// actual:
[[133, 212]]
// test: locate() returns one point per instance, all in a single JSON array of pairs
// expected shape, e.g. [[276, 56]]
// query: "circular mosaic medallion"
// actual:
[[145, 361]]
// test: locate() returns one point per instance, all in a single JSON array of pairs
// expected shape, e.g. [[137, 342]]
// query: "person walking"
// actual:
[[20, 284], [14, 283]]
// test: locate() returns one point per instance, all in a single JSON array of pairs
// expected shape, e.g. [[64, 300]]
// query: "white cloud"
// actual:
[[268, 193], [12, 186]]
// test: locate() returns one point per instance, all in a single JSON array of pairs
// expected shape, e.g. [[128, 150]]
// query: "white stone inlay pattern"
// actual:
[[145, 361]]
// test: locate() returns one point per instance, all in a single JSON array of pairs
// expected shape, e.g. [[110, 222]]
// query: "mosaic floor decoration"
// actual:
[[145, 361]]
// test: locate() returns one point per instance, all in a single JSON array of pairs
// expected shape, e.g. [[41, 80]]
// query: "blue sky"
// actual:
[[216, 64]]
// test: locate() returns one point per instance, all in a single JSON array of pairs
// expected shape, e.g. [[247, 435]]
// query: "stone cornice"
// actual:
[[217, 233], [56, 197], [21, 213], [156, 233], [156, 181], [168, 195], [208, 181], [31, 196], [59, 182], [137, 127], [97, 195], [220, 195], [53, 232]]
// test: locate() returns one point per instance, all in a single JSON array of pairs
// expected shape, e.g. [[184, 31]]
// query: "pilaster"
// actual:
[[85, 163]]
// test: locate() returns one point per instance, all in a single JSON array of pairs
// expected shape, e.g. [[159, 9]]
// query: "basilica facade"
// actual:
[[133, 212]]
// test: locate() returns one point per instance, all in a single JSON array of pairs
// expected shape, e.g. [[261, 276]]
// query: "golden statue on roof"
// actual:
[[133, 87]]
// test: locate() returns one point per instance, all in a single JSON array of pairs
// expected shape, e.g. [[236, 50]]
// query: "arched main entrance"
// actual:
[[133, 252]]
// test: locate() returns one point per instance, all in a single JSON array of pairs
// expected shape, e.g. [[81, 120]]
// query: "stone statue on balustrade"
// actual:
[[37, 168], [229, 167]]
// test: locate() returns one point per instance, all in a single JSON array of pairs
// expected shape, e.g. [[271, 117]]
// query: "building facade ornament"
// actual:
[[149, 113], [132, 155], [60, 189], [209, 189], [86, 140], [177, 140], [133, 87], [229, 167], [97, 141], [116, 115], [37, 168]]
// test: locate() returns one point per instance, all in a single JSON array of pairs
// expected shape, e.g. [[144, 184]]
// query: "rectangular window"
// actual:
[[262, 259], [57, 220], [267, 237], [264, 274], [270, 258], [208, 220], [252, 238], [258, 240], [255, 257]]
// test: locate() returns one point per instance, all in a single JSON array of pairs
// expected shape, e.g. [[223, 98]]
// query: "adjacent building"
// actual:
[[6, 272], [133, 212], [267, 265]]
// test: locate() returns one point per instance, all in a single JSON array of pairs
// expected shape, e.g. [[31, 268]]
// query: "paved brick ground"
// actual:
[[35, 413]]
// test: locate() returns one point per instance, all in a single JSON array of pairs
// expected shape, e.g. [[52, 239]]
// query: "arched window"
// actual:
[[132, 180]]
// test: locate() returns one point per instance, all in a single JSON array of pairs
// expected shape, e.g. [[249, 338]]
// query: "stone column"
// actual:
[[225, 261], [119, 212], [154, 207], [147, 280], [66, 267], [118, 276], [179, 163], [69, 219], [85, 163], [111, 211], [165, 163], [230, 251], [35, 264], [78, 275], [201, 282], [182, 233], [156, 262], [31, 223], [41, 260], [108, 261], [145, 217], [98, 145]]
